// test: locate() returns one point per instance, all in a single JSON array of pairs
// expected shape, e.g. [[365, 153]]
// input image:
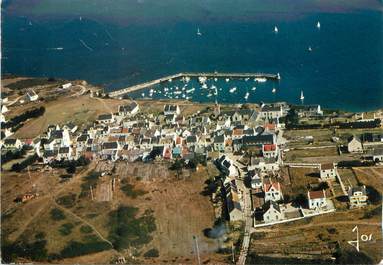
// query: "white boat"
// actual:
[[177, 92], [302, 96], [183, 95], [170, 80], [209, 95], [227, 80], [143, 94], [187, 79], [202, 79], [247, 95], [310, 49], [275, 29], [190, 90], [215, 79], [274, 90], [278, 76], [261, 79], [318, 25], [254, 88], [204, 86], [199, 32], [232, 90], [246, 79]]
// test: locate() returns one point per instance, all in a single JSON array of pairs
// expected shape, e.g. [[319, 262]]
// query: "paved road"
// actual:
[[247, 215]]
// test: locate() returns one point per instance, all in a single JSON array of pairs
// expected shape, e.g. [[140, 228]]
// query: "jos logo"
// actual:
[[363, 237]]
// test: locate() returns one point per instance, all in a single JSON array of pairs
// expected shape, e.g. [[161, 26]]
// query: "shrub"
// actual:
[[126, 229], [86, 229], [152, 253], [34, 113], [129, 190], [74, 248], [67, 201], [66, 229], [27, 162], [89, 180], [35, 251], [57, 214]]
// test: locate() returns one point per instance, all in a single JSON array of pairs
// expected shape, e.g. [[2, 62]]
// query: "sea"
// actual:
[[116, 44]]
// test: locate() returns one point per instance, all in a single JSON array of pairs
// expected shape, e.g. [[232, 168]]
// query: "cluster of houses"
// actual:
[[129, 134], [267, 195]]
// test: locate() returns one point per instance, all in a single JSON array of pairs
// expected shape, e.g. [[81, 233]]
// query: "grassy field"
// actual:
[[178, 208], [300, 178], [296, 155]]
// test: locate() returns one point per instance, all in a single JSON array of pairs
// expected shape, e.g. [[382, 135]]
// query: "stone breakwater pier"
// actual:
[[130, 89]]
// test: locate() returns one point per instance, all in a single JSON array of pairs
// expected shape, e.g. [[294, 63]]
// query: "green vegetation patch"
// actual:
[[129, 190], [88, 181], [66, 229], [57, 214], [35, 251], [126, 229], [68, 201], [75, 248], [152, 253], [86, 229], [31, 82]]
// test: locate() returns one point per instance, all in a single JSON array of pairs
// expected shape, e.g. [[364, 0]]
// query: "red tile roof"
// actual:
[[316, 194], [276, 186], [269, 147]]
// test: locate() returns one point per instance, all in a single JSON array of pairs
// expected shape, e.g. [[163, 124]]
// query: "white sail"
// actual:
[[318, 25], [302, 96], [276, 29]]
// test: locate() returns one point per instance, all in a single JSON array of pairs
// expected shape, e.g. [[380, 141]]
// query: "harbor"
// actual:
[[170, 78]]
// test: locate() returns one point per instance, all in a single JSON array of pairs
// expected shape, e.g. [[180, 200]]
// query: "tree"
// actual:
[[292, 118]]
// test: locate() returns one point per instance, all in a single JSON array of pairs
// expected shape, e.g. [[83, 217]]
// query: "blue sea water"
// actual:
[[344, 69]]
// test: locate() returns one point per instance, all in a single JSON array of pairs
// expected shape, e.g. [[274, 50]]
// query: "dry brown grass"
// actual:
[[80, 110], [372, 176]]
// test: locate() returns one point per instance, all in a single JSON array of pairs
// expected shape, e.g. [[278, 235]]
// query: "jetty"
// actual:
[[144, 85]]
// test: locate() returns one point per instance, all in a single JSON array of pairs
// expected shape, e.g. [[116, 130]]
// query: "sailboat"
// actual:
[[247, 95], [310, 49], [302, 96], [254, 88], [274, 90], [275, 29], [318, 25], [232, 90], [199, 32]]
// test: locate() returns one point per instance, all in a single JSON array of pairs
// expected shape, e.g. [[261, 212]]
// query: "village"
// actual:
[[253, 146]]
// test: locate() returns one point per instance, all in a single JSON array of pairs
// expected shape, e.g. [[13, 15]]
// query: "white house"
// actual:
[[66, 85], [12, 144], [4, 109], [377, 155], [233, 200], [172, 110], [270, 150], [64, 153], [273, 192], [316, 199], [105, 118], [355, 145], [357, 196], [270, 112], [328, 171], [32, 96], [129, 109], [272, 212], [256, 181]]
